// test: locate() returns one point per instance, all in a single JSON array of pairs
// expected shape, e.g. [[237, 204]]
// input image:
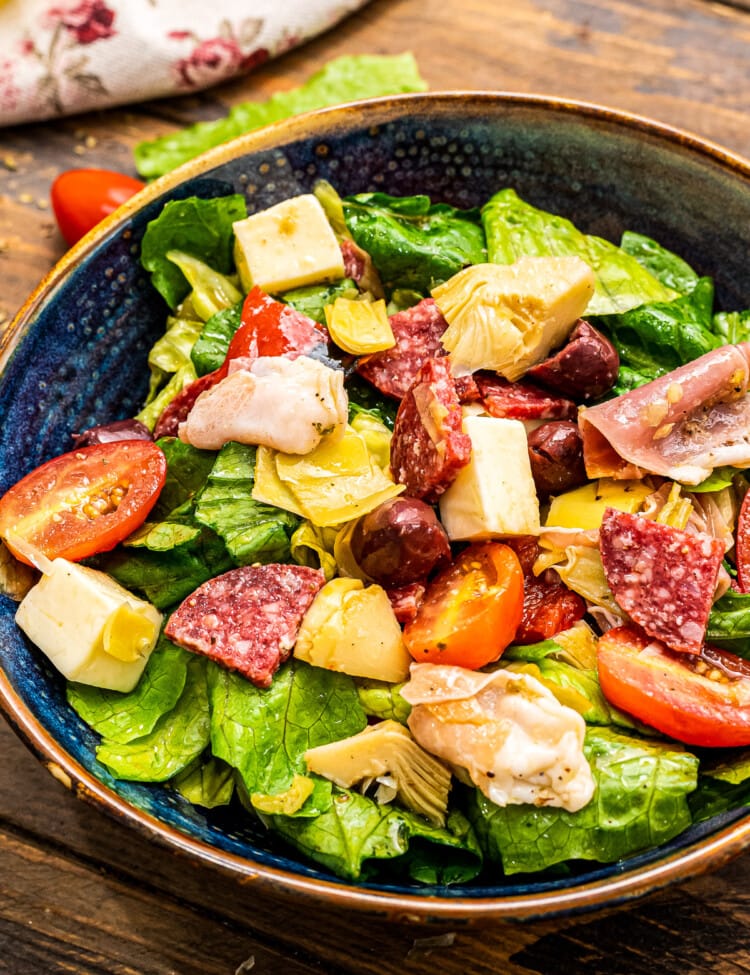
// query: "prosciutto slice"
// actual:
[[680, 426]]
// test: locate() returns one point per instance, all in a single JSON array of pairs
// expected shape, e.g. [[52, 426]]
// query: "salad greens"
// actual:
[[342, 80], [218, 738]]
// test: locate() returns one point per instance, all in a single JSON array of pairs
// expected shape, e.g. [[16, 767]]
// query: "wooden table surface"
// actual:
[[81, 894]]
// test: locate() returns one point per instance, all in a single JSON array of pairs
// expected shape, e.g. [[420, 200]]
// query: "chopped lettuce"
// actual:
[[413, 243], [211, 345], [208, 782], [176, 740], [264, 732], [732, 326], [312, 299], [382, 700], [355, 832], [187, 471], [150, 414], [252, 531], [670, 269], [201, 228], [122, 718], [172, 351], [640, 802], [341, 80], [516, 229], [729, 623]]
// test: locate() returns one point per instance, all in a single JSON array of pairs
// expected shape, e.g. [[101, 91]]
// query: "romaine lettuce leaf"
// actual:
[[312, 300], [341, 80], [124, 717], [202, 228], [413, 243], [729, 623], [156, 406], [211, 345], [640, 802], [356, 832], [187, 471], [670, 269], [172, 351], [382, 700], [208, 782], [516, 229], [252, 531], [732, 326], [723, 785], [364, 398], [177, 739], [264, 732]]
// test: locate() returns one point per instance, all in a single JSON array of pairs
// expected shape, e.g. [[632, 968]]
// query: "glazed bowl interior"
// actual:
[[76, 356]]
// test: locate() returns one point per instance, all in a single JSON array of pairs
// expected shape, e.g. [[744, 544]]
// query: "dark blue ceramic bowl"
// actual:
[[76, 356]]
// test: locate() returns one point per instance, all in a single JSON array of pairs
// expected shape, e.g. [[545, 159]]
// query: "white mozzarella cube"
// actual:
[[287, 246], [91, 629], [494, 495]]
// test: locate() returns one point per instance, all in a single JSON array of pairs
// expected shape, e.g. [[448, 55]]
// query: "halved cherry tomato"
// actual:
[[471, 610], [270, 328], [85, 501], [700, 699], [81, 198], [742, 545]]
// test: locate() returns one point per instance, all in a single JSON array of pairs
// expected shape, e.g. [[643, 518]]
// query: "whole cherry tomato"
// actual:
[[471, 610], [81, 198], [85, 501]]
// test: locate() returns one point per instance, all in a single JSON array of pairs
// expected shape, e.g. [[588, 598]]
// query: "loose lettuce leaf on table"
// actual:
[[122, 718], [355, 833], [202, 228], [252, 531], [341, 80], [516, 229], [177, 739], [414, 244], [640, 803], [264, 732]]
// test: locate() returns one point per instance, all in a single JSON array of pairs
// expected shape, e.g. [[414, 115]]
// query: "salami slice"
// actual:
[[549, 607], [247, 619], [429, 447], [417, 332], [405, 601], [358, 265], [521, 400], [662, 577], [176, 412]]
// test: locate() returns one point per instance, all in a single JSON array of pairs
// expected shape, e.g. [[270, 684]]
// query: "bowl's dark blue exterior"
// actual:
[[77, 356]]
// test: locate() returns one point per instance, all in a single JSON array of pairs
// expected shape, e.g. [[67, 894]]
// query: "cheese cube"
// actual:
[[90, 628], [287, 246], [494, 494]]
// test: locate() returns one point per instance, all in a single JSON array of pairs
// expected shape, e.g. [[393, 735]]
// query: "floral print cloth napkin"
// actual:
[[58, 57]]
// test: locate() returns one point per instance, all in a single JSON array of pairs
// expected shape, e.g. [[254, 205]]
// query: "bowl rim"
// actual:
[[707, 854]]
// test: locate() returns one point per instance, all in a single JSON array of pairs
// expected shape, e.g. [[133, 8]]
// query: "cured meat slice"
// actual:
[[417, 332], [521, 400], [405, 601], [662, 577], [176, 412], [358, 265], [681, 426], [428, 447], [549, 607], [248, 618]]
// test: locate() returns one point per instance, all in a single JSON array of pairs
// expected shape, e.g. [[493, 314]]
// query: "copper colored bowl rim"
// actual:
[[681, 864]]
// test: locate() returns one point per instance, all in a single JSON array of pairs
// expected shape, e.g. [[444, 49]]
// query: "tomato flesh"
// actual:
[[471, 610], [698, 699], [271, 328], [81, 198], [85, 501]]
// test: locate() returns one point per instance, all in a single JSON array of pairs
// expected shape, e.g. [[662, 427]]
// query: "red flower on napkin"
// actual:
[[90, 21], [216, 58]]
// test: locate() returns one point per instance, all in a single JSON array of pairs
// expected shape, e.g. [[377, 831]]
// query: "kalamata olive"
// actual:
[[401, 541], [109, 432], [585, 368], [556, 455]]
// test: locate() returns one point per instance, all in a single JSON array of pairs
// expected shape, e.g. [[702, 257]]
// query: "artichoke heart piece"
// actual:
[[334, 483], [352, 629], [584, 507], [387, 749], [509, 317], [359, 327]]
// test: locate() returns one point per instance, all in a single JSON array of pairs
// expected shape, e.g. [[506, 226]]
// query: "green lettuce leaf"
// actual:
[[265, 732], [341, 80], [172, 351], [382, 700], [156, 406], [364, 398], [312, 300], [413, 243], [202, 228], [640, 802], [723, 784], [355, 833], [732, 326], [729, 623], [177, 738], [121, 718], [252, 531], [670, 269], [657, 337], [211, 345], [516, 229], [187, 471], [207, 782]]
